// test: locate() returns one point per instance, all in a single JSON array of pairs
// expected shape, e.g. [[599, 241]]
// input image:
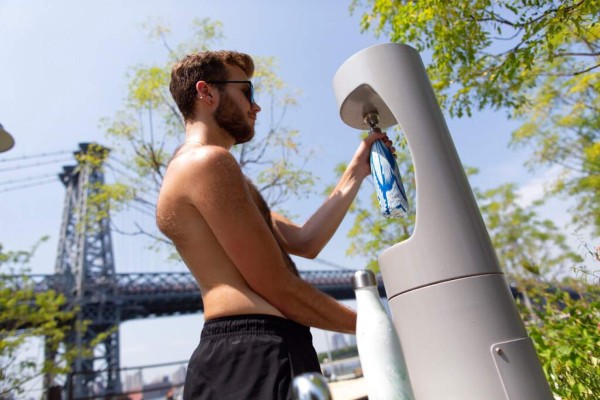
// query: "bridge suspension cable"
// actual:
[[27, 178], [37, 164], [29, 185], [117, 170], [18, 163], [28, 157]]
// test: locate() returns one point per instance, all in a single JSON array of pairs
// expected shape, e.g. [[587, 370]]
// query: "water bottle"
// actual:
[[386, 175], [379, 350]]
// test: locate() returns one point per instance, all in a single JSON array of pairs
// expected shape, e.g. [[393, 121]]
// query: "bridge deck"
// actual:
[[142, 295]]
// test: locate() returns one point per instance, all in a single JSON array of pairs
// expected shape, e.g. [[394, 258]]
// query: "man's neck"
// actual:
[[208, 134]]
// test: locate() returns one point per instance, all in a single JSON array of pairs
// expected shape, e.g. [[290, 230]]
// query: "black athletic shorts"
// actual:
[[249, 357]]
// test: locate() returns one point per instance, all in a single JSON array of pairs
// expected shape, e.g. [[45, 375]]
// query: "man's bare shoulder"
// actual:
[[203, 173], [200, 166], [197, 180], [205, 158]]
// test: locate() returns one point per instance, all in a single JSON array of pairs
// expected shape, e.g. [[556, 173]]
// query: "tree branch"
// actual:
[[586, 70]]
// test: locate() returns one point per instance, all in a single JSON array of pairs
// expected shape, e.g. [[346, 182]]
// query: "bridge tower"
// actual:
[[86, 269]]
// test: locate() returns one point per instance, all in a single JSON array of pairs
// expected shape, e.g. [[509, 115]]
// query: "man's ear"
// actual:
[[204, 92]]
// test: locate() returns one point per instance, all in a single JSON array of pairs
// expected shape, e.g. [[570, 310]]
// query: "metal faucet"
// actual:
[[310, 386]]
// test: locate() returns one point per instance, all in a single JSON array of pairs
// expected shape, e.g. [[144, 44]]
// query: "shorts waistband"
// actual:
[[252, 324]]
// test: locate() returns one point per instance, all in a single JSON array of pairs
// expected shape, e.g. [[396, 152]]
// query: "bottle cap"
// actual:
[[363, 278]]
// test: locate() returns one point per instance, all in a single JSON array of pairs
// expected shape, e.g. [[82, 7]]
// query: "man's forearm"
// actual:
[[322, 225], [301, 302]]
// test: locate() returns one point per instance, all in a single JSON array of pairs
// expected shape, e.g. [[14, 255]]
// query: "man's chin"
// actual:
[[244, 139]]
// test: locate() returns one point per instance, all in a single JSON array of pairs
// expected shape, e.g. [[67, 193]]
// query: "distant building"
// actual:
[[133, 385], [338, 341], [133, 382], [157, 389], [178, 376], [352, 340]]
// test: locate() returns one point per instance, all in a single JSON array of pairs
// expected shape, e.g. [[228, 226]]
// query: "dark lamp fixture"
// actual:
[[6, 140]]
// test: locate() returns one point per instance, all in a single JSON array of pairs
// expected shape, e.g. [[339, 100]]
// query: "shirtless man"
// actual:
[[257, 309]]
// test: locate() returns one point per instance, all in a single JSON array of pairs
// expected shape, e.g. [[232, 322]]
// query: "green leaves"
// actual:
[[26, 314], [563, 127], [526, 245], [538, 60], [147, 87], [564, 329]]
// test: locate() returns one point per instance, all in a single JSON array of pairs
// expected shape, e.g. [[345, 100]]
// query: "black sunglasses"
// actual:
[[248, 93]]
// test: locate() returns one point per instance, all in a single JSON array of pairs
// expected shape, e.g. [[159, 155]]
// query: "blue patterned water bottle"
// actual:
[[386, 175]]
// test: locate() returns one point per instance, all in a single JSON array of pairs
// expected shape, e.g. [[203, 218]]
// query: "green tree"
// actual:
[[146, 132], [538, 60], [526, 245], [563, 324], [27, 314], [562, 125]]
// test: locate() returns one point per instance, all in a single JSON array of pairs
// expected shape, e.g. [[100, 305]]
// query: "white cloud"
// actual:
[[534, 189]]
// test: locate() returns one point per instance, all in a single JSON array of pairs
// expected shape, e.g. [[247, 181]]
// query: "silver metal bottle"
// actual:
[[379, 349]]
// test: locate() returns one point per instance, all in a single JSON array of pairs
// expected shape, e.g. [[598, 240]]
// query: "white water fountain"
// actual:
[[455, 316]]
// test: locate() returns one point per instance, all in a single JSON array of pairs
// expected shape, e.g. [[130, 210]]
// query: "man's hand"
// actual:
[[360, 165]]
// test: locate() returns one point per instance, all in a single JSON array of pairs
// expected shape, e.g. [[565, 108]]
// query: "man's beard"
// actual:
[[230, 118]]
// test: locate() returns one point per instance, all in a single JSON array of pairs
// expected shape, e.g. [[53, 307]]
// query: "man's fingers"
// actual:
[[374, 136]]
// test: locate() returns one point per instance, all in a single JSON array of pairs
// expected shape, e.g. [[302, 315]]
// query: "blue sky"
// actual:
[[64, 64]]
